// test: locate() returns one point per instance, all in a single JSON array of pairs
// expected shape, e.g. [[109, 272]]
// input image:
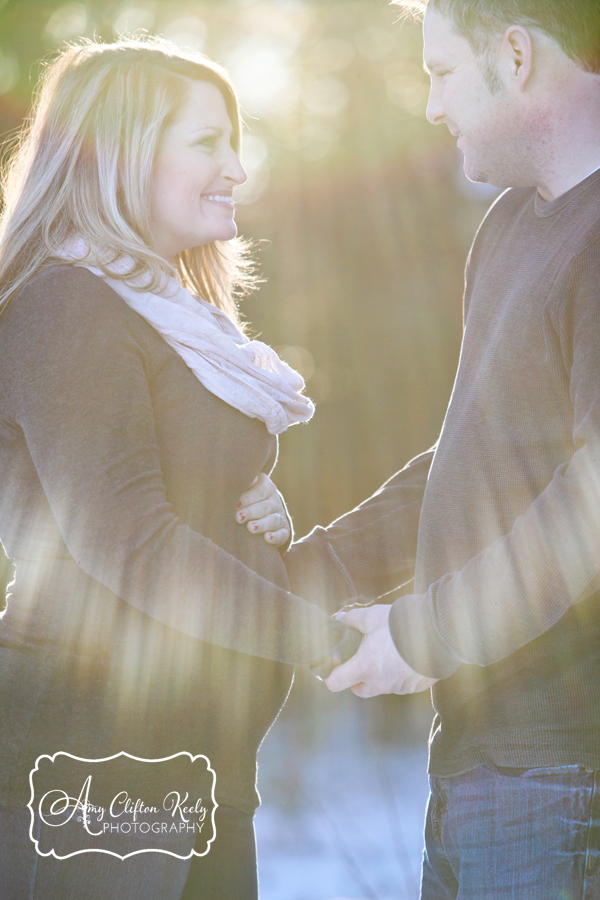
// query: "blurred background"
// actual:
[[363, 221]]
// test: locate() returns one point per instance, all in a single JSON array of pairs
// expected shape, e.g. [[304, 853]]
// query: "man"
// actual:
[[500, 523]]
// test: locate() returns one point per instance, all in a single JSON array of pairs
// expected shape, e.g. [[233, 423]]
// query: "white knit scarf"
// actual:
[[247, 375]]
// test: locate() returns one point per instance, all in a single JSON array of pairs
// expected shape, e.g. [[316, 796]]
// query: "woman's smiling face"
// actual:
[[194, 175]]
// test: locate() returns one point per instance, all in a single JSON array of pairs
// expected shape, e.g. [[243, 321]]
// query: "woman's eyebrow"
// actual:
[[214, 128]]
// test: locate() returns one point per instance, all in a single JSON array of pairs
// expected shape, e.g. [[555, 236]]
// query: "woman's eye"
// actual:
[[209, 142]]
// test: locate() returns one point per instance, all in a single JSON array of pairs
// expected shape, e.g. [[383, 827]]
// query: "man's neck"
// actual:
[[569, 151], [564, 128], [562, 182]]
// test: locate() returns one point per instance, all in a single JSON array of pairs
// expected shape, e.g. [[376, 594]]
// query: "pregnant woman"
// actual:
[[133, 414]]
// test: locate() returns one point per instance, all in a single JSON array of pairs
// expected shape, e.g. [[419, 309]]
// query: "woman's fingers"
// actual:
[[259, 510], [262, 511], [273, 522], [277, 538], [261, 489], [275, 529]]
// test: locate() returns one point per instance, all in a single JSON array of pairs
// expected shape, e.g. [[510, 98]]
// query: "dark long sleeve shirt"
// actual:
[[367, 552], [505, 608], [142, 618]]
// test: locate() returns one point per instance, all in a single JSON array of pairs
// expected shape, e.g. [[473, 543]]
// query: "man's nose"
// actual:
[[435, 108]]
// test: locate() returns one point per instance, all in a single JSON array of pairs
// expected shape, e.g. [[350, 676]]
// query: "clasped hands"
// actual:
[[377, 667]]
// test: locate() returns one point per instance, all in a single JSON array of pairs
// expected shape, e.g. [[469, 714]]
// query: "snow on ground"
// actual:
[[341, 816]]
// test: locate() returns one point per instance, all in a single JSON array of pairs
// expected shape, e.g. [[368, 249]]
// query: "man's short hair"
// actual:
[[573, 24]]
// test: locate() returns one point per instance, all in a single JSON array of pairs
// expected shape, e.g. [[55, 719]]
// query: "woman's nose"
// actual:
[[234, 170]]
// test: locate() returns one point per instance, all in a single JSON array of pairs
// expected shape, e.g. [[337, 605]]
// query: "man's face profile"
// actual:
[[469, 96]]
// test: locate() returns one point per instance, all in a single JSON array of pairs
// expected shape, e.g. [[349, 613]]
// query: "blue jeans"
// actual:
[[515, 834]]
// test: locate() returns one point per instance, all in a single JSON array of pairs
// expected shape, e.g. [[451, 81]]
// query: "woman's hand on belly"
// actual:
[[262, 510]]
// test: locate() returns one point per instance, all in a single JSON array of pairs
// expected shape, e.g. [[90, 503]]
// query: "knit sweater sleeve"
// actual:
[[368, 551], [83, 402], [524, 583]]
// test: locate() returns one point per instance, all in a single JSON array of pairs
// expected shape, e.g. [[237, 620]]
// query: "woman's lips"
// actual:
[[225, 200]]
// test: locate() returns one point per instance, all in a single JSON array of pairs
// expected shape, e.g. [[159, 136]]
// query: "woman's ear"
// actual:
[[518, 53]]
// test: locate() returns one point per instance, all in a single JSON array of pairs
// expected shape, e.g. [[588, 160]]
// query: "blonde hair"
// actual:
[[83, 164]]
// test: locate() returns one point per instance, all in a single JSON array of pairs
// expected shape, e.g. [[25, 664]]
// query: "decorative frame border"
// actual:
[[107, 759]]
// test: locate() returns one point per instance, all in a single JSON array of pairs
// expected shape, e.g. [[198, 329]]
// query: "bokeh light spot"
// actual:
[[315, 141], [325, 96], [255, 152], [374, 43], [254, 188], [134, 18], [187, 32], [299, 359], [261, 71], [67, 22], [332, 54], [407, 86], [9, 71], [408, 95]]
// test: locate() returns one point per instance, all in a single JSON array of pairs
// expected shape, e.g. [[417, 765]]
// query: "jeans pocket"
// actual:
[[437, 805], [557, 771], [509, 771]]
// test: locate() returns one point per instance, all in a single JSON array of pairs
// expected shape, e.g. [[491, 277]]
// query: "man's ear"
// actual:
[[518, 53]]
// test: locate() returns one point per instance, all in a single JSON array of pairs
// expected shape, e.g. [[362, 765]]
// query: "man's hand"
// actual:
[[377, 667], [261, 510]]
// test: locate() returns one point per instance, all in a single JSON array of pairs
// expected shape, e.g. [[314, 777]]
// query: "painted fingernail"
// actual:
[[269, 536], [241, 517], [239, 504], [254, 526]]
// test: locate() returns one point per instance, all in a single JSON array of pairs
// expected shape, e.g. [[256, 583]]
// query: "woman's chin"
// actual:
[[226, 231], [231, 231]]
